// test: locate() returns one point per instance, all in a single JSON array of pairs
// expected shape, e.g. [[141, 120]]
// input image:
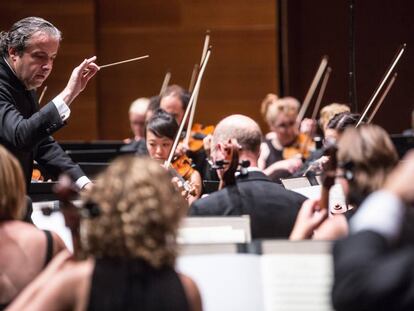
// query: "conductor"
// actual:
[[28, 51]]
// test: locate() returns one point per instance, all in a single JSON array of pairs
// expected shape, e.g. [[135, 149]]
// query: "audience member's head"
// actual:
[[280, 114], [12, 187], [242, 128], [161, 130], [137, 112], [366, 156], [140, 210], [329, 111], [175, 100]]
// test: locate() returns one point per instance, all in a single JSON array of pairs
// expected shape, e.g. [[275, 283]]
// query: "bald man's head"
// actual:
[[244, 129]]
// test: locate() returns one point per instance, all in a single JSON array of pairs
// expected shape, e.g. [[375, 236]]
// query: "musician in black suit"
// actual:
[[373, 269], [272, 208], [28, 50]]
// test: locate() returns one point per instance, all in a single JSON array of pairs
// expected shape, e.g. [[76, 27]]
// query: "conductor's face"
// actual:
[[35, 63]]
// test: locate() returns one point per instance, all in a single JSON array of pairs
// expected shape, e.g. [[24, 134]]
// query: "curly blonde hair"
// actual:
[[140, 210], [369, 155], [12, 187]]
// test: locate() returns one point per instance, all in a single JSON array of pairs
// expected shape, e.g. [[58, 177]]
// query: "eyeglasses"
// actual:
[[285, 125]]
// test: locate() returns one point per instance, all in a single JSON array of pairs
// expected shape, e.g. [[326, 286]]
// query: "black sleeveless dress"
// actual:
[[275, 155], [122, 284]]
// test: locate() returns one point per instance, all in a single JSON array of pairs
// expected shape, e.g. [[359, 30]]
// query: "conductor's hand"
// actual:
[[79, 79]]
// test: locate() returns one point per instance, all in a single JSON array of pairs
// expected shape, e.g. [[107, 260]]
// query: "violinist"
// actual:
[[137, 113], [281, 116], [329, 111], [366, 156], [332, 129], [160, 133], [272, 208], [175, 101]]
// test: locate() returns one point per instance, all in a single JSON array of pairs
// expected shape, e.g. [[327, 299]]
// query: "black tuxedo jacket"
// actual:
[[272, 208], [372, 275], [25, 130]]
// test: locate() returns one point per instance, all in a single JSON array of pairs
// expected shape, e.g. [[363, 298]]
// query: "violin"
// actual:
[[301, 147], [198, 133], [37, 175], [183, 166]]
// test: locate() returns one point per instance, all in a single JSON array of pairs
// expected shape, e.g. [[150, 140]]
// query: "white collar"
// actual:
[[249, 169]]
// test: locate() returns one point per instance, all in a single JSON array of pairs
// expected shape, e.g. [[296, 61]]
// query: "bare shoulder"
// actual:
[[78, 275], [68, 289], [192, 292]]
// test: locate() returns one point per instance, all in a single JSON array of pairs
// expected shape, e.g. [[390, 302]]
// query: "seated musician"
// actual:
[[160, 134], [24, 249], [366, 156], [175, 100], [281, 114], [332, 132], [131, 248], [137, 113], [329, 111], [373, 267], [272, 208]]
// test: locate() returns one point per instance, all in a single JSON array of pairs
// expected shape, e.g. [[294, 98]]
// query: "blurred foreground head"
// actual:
[[140, 213]]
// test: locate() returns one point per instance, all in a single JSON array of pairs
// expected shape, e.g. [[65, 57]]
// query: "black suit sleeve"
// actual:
[[24, 133], [52, 157], [369, 275]]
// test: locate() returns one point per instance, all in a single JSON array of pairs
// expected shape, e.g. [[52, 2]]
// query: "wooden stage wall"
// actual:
[[243, 67]]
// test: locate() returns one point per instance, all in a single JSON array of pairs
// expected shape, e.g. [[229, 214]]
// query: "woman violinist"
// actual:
[[160, 133], [285, 146]]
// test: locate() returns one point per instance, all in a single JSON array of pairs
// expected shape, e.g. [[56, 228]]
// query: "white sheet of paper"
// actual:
[[226, 282], [218, 234], [296, 282]]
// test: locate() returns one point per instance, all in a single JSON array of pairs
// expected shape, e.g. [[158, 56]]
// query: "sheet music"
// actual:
[[217, 234], [293, 282], [226, 282]]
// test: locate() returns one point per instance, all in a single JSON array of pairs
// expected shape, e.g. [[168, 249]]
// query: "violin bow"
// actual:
[[42, 94], [321, 92], [165, 83], [187, 111], [384, 79], [380, 101], [193, 78], [196, 90], [312, 88]]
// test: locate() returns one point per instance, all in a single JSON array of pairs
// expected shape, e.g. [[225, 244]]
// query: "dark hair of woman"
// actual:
[[162, 124], [341, 121]]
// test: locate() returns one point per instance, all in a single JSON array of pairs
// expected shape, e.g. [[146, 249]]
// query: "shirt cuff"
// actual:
[[82, 181], [61, 107], [382, 212]]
